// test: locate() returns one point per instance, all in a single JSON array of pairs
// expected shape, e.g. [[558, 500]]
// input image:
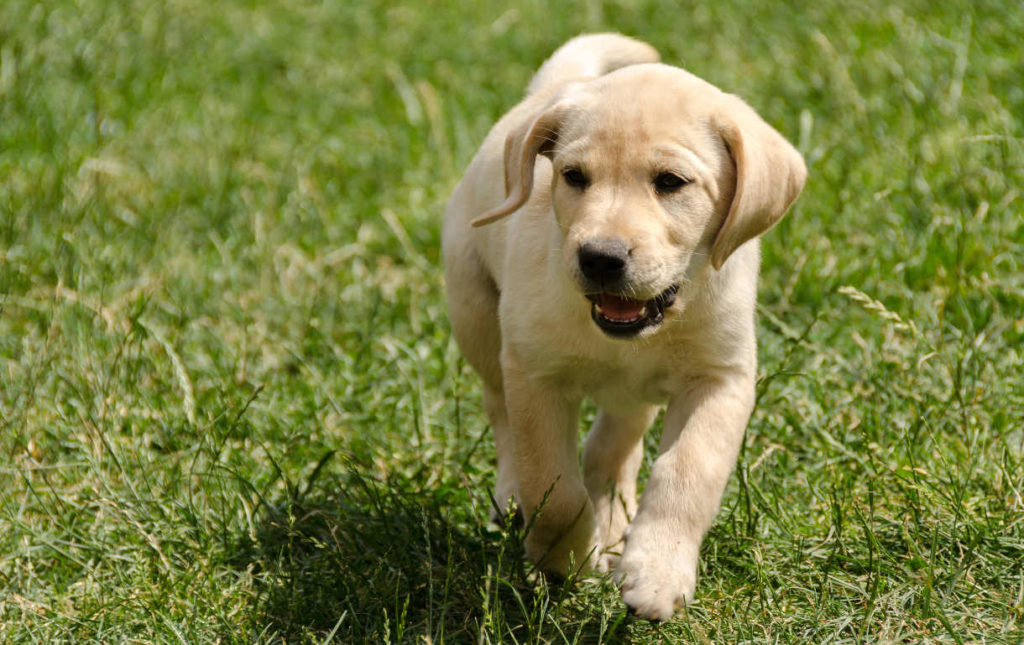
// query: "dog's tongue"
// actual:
[[620, 309]]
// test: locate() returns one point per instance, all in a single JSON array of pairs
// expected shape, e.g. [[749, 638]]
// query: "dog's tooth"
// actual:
[[642, 314]]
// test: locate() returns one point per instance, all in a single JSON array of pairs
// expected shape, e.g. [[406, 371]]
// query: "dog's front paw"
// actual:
[[562, 543], [657, 572]]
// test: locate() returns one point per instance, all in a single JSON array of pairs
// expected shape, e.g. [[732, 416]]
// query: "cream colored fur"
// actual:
[[512, 232]]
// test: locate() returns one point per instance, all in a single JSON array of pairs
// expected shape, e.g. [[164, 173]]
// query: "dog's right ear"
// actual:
[[537, 135]]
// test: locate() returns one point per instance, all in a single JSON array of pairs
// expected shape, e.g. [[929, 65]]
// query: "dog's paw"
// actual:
[[611, 519], [562, 546], [606, 555], [657, 574], [608, 559], [611, 527]]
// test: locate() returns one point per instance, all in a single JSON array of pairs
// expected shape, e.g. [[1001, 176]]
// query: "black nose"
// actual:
[[603, 262]]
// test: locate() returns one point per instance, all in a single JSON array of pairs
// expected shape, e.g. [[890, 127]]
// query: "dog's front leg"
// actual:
[[543, 422], [703, 431]]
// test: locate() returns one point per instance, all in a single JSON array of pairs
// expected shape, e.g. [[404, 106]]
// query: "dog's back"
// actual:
[[590, 56]]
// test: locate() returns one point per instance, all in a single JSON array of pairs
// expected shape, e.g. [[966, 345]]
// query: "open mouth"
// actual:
[[620, 316]]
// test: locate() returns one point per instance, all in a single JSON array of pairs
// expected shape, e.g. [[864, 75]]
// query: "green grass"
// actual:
[[231, 409]]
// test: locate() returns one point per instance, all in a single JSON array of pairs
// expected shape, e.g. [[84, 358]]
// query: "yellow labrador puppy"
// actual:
[[603, 244]]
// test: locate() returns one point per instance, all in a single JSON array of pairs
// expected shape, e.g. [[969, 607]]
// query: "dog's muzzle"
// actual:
[[624, 317]]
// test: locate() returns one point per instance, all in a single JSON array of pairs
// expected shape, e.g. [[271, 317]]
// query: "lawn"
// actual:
[[231, 409]]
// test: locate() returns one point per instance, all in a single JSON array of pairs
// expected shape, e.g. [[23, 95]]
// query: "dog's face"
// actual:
[[656, 175], [638, 183]]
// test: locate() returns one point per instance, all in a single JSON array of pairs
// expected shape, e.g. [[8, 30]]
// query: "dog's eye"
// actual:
[[575, 177], [669, 182]]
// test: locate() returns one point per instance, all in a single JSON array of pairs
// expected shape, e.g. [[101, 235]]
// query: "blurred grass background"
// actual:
[[231, 409]]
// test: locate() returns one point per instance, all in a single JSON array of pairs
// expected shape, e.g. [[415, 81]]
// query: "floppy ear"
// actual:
[[770, 173], [537, 135]]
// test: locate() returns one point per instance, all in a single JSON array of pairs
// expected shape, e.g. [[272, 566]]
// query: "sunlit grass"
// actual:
[[231, 409]]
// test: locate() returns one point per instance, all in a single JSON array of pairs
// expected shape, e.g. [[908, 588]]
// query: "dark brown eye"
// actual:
[[669, 182], [575, 178]]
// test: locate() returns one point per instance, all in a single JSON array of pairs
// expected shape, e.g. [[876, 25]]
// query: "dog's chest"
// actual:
[[621, 379], [625, 389]]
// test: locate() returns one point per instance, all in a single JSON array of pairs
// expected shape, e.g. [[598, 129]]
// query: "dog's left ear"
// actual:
[[770, 173]]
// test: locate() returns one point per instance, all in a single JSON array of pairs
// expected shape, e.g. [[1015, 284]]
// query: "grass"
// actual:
[[232, 410]]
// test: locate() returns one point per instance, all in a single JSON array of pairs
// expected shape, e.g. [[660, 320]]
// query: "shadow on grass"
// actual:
[[359, 559]]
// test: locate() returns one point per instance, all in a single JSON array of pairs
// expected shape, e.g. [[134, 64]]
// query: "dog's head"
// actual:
[[657, 174]]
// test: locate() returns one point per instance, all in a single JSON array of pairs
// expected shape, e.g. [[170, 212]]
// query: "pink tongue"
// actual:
[[619, 309]]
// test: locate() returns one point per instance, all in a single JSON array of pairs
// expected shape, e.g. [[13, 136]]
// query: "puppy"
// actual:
[[603, 244]]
